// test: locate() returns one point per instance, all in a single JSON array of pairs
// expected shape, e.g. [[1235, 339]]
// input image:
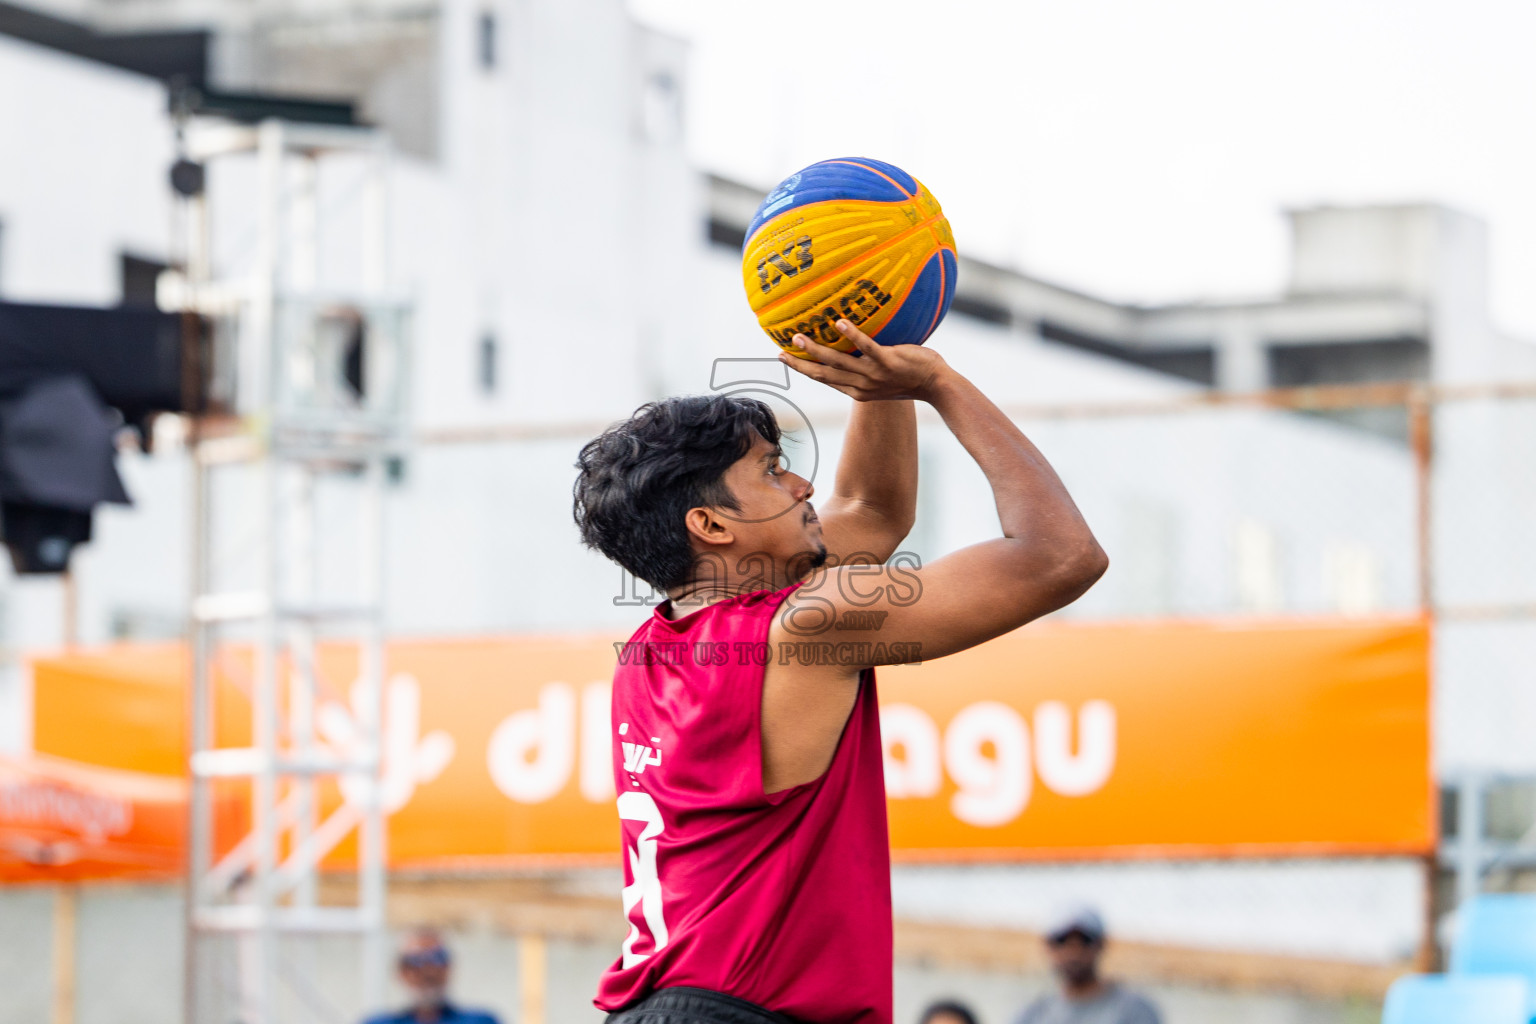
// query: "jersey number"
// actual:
[[646, 887]]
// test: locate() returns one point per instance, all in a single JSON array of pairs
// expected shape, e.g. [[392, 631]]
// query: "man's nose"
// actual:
[[803, 489]]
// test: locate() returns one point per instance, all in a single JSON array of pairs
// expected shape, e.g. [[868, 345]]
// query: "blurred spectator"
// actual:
[[1075, 941], [424, 970], [947, 1011]]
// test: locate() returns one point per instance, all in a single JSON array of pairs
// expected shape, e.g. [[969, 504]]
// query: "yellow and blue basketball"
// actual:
[[851, 238]]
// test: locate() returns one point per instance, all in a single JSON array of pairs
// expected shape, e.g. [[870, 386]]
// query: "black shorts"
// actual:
[[695, 1006]]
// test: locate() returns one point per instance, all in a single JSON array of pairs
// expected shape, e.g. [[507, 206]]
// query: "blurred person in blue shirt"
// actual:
[[424, 969], [1075, 942]]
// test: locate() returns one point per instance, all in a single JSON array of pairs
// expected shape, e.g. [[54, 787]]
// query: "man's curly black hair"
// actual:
[[638, 479]]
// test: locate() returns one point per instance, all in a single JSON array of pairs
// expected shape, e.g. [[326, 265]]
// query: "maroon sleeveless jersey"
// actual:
[[780, 899]]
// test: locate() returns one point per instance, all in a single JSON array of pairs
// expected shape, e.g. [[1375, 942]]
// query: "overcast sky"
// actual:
[[1140, 150]]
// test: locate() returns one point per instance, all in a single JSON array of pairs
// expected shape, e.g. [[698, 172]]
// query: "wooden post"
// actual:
[[533, 969], [65, 904], [1421, 424], [71, 611]]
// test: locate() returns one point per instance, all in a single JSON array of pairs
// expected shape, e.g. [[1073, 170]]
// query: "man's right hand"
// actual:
[[880, 372]]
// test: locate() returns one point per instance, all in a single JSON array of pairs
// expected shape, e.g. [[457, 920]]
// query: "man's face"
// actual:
[[775, 517], [424, 970], [1075, 958]]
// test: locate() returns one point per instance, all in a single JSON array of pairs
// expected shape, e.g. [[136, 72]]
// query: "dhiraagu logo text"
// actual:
[[988, 750]]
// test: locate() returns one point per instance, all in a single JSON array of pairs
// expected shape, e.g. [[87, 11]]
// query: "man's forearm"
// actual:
[[1047, 556], [877, 474], [1053, 554], [1031, 499]]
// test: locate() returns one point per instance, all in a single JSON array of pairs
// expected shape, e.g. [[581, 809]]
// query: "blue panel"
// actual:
[[844, 178], [905, 180], [1496, 934], [1455, 999], [951, 275], [933, 290]]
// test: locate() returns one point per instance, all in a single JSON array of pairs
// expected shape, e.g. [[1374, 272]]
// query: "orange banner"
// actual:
[[1165, 740], [63, 821], [1055, 742]]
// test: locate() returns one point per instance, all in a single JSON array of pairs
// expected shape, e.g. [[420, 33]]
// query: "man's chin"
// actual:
[[807, 561], [818, 555], [430, 996]]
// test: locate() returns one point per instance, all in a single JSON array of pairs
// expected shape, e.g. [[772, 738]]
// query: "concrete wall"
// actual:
[[87, 150], [480, 535]]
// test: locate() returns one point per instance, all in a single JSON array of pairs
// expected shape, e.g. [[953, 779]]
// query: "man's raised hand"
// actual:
[[881, 373]]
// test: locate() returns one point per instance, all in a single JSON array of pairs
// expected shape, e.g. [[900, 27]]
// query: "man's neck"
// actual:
[[430, 1012], [1086, 991], [691, 597], [682, 601]]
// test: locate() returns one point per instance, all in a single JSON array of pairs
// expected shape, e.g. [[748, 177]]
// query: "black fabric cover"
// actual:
[[40, 539], [63, 372], [56, 447], [132, 357]]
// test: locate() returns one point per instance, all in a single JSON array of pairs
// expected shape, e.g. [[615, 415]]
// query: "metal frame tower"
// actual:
[[295, 430]]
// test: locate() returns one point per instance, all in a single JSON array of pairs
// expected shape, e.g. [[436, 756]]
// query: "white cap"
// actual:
[[1076, 917]]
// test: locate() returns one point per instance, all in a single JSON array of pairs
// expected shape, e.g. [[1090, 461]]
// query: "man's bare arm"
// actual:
[[1046, 558], [874, 499]]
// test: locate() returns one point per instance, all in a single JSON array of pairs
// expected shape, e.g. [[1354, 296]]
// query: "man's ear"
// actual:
[[706, 526]]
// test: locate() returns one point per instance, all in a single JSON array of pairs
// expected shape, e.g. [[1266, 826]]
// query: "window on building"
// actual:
[[1305, 364], [354, 354], [661, 108], [1509, 813], [1352, 577], [1450, 811], [1149, 562], [1260, 573], [1353, 362], [485, 34], [981, 309], [730, 236], [138, 623], [1504, 809], [1194, 361], [486, 365]]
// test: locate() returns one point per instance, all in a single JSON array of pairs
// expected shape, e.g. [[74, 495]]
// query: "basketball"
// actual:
[[850, 238]]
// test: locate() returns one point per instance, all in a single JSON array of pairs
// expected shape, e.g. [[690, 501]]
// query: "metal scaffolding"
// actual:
[[313, 387]]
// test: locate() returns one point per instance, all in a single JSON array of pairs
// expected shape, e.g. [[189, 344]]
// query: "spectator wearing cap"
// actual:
[[424, 969], [947, 1011], [1074, 943]]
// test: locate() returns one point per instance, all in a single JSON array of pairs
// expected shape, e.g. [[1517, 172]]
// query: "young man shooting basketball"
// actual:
[[746, 729]]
